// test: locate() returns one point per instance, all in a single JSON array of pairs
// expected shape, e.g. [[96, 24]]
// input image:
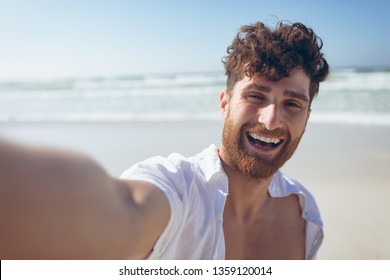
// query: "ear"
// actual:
[[308, 115], [307, 119], [224, 103]]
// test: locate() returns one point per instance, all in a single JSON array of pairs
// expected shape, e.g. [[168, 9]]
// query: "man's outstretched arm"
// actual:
[[61, 205]]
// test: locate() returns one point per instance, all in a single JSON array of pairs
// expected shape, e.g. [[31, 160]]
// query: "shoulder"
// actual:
[[176, 168], [164, 172], [170, 164]]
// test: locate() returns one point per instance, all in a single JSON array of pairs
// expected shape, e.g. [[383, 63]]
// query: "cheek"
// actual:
[[297, 125], [242, 112]]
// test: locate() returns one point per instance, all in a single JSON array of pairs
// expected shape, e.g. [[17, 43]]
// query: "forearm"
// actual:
[[58, 205]]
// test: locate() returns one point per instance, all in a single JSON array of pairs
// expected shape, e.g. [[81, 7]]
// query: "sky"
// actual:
[[89, 38]]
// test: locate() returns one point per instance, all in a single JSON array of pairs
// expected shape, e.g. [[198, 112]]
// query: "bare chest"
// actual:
[[274, 235]]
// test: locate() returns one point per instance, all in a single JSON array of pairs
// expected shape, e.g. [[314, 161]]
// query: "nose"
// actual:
[[270, 117]]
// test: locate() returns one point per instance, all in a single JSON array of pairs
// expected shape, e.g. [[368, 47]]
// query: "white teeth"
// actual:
[[264, 139]]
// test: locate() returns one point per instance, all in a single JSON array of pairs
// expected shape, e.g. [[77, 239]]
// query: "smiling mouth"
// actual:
[[264, 142]]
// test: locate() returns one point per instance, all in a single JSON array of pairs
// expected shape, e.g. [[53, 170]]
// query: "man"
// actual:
[[229, 202]]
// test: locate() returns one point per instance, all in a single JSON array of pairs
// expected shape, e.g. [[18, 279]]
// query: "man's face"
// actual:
[[264, 122]]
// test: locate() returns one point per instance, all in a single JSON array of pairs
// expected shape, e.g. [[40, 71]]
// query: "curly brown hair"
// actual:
[[275, 53]]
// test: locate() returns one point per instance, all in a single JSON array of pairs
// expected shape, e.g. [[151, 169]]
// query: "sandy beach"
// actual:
[[346, 167]]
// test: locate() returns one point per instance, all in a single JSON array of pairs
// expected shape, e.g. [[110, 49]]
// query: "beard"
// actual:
[[250, 164]]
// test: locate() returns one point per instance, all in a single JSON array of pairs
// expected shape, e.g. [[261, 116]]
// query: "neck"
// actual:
[[246, 195]]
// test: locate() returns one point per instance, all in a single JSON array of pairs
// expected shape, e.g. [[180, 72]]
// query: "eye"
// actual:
[[293, 105], [255, 97]]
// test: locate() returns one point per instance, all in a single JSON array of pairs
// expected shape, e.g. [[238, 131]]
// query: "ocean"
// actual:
[[353, 96]]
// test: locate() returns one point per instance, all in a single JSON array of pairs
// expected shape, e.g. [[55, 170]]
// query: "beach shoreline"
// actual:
[[344, 166]]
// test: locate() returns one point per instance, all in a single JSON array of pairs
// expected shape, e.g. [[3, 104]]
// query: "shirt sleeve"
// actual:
[[167, 176]]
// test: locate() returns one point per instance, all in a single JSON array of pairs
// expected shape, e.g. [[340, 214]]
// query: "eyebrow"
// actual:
[[289, 93], [297, 95], [262, 88]]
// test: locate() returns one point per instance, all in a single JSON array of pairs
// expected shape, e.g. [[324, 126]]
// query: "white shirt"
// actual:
[[197, 189]]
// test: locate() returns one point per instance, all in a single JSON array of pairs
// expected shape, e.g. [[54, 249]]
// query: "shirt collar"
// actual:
[[210, 163], [282, 186], [211, 166]]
